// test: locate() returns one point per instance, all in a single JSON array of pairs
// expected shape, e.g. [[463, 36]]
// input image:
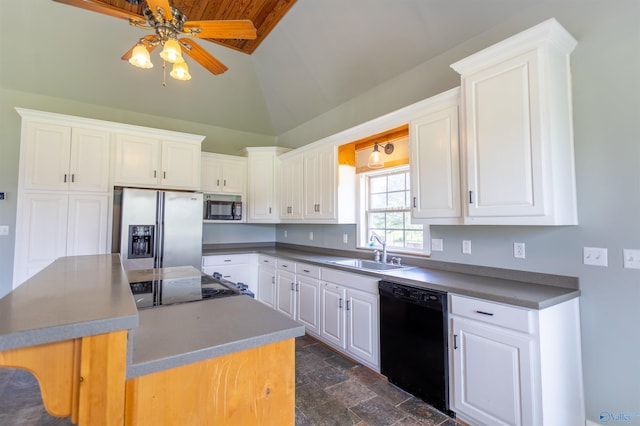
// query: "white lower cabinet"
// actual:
[[350, 315], [233, 267], [267, 280], [308, 297], [503, 357], [286, 288]]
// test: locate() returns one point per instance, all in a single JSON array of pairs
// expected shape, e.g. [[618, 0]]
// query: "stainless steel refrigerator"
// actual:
[[160, 229]]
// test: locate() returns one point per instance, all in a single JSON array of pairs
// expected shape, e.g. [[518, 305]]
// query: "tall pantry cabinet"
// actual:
[[63, 201]]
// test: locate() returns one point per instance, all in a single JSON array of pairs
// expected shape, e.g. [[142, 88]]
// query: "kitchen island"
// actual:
[[100, 361]]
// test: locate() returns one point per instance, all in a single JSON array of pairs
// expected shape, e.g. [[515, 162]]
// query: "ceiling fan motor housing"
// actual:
[[155, 20]]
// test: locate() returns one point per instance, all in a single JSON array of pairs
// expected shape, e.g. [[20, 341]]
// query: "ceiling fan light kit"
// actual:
[[169, 23]]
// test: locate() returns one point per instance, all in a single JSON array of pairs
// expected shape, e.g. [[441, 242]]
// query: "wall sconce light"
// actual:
[[375, 162]]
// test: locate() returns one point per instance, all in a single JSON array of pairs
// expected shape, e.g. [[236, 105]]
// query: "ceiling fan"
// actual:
[[169, 24]]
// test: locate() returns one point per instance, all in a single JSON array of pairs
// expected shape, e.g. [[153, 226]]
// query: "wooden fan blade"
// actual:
[[162, 4], [242, 29], [104, 8], [203, 57], [146, 41]]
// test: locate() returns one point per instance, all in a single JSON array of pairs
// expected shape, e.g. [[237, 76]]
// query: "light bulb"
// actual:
[[171, 51]]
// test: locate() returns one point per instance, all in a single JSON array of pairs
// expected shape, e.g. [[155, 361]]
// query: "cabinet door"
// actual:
[[46, 157], [89, 164], [267, 286], [87, 225], [320, 183], [435, 165], [136, 160], [211, 174], [180, 165], [262, 189], [233, 176], [285, 293], [41, 232], [308, 312], [363, 326], [503, 139], [492, 374], [332, 321], [291, 183]]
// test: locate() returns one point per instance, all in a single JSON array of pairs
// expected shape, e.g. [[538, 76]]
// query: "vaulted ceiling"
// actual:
[[319, 55]]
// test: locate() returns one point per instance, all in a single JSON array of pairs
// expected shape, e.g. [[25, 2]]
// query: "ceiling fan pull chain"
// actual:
[[164, 73]]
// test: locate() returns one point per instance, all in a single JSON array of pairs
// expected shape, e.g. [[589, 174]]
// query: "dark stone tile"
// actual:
[[408, 421], [303, 341], [321, 350], [365, 376], [378, 412], [301, 378], [331, 413], [340, 362], [390, 392], [301, 419], [327, 376], [423, 411], [310, 395], [308, 362], [350, 393]]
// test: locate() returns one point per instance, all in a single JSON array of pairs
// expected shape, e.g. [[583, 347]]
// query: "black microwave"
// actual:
[[223, 210]]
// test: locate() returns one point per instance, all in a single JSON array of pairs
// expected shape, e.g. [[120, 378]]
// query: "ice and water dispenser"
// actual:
[[141, 241]]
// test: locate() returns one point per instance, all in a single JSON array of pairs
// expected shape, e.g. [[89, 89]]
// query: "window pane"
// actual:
[[397, 182], [377, 184], [378, 201], [407, 220], [377, 221], [395, 220], [414, 239], [395, 238], [397, 199]]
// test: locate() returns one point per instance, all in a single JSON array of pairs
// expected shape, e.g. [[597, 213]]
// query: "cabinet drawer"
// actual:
[[231, 259], [287, 265], [267, 261], [308, 270], [493, 313], [347, 279]]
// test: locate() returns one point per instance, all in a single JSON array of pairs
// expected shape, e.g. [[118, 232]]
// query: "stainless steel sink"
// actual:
[[367, 264]]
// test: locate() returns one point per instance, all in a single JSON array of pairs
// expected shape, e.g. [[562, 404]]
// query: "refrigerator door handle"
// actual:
[[159, 247]]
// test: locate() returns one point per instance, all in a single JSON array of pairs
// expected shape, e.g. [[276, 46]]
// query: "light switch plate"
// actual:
[[631, 258], [466, 246], [4, 230], [437, 244], [596, 256]]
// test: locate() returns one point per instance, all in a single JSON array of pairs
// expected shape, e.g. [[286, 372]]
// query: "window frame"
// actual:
[[362, 228]]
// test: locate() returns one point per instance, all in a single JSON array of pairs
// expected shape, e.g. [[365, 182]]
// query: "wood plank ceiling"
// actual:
[[264, 14]]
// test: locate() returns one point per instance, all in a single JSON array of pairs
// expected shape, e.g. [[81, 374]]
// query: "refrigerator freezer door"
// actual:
[[182, 229], [138, 209]]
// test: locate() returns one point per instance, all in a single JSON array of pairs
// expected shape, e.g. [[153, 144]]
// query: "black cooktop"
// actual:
[[149, 294]]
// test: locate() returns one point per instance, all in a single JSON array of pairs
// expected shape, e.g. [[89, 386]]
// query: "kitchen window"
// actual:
[[385, 212]]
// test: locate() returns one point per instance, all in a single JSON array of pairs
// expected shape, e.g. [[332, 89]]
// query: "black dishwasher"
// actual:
[[413, 341]]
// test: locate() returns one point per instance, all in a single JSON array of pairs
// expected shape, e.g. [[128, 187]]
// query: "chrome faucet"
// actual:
[[384, 246]]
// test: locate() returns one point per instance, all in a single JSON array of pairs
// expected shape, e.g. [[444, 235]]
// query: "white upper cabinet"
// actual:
[[518, 137], [320, 183], [153, 161], [291, 183], [224, 174], [262, 198], [65, 158], [435, 161]]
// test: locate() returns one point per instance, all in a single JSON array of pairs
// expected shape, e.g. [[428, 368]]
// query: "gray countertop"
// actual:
[[518, 288], [73, 297], [175, 335], [88, 295]]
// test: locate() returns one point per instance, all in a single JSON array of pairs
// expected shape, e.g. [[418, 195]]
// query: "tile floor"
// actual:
[[330, 390]]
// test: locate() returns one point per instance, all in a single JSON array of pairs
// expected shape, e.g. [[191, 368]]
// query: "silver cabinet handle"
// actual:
[[490, 314], [415, 202], [155, 174], [224, 182], [164, 175], [73, 177], [455, 341], [348, 305], [65, 178], [340, 303], [293, 286]]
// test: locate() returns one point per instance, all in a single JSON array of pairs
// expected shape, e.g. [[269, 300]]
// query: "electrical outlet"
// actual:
[[4, 230], [631, 258], [466, 246], [345, 238], [311, 235], [285, 233], [595, 256], [518, 250], [437, 244]]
